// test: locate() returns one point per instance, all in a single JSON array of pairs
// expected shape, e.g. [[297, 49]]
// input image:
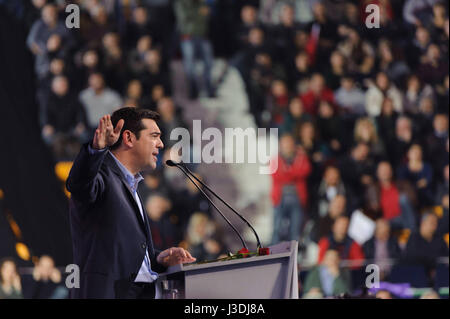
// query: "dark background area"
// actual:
[[32, 193]]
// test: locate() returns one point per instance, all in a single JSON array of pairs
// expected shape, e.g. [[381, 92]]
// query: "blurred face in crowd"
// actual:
[[331, 259], [383, 294], [337, 206], [337, 59], [140, 16], [57, 66], [279, 88], [326, 111], [45, 267], [413, 83], [200, 227], [382, 81], [144, 43], [296, 107], [38, 4], [256, 37], [263, 59], [287, 15], [152, 181], [301, 39], [365, 130], [351, 12], [340, 228], [317, 83], [111, 40], [415, 153], [360, 152], [439, 10], [191, 187], [152, 58], [60, 85], [54, 43], [8, 272], [387, 108], [134, 89], [99, 15], [428, 226], [403, 129], [307, 132], [96, 82], [332, 176], [248, 15], [433, 52], [166, 109], [158, 92], [156, 207], [90, 59], [426, 106], [287, 146], [319, 11], [382, 229], [440, 124], [430, 295], [384, 172], [301, 61], [347, 83], [422, 36], [50, 15]]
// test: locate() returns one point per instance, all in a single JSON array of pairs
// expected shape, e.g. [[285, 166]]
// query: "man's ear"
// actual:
[[128, 138]]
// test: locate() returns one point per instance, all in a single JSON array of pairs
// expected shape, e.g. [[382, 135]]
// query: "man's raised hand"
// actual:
[[105, 134]]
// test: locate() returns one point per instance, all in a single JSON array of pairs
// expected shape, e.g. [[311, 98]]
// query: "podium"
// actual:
[[273, 276]]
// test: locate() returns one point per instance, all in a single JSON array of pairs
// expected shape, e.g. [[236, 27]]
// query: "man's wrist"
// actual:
[[92, 150]]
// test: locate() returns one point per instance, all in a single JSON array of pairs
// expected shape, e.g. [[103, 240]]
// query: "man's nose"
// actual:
[[160, 144]]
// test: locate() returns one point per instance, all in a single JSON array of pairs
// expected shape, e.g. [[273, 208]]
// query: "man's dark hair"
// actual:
[[133, 121]]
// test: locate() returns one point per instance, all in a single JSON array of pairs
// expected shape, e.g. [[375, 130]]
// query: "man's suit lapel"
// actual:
[[111, 163]]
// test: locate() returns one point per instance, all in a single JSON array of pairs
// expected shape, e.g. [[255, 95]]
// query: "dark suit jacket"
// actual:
[[392, 246], [108, 234]]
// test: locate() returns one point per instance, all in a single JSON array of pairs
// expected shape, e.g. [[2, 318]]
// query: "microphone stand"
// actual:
[[223, 201], [212, 203]]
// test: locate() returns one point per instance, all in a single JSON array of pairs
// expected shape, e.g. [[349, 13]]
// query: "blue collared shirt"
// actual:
[[145, 273]]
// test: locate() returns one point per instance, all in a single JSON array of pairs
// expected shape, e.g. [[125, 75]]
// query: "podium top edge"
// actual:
[[194, 267]]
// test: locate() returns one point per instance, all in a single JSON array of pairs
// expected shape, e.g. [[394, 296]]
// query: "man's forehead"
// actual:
[[150, 125]]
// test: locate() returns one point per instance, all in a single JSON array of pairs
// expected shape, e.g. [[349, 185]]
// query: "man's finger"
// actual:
[[119, 126], [188, 254]]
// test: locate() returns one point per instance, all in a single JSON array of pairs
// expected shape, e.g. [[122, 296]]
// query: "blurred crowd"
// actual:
[[362, 114]]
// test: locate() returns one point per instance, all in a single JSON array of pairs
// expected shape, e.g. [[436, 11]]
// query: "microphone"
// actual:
[[172, 164], [182, 165]]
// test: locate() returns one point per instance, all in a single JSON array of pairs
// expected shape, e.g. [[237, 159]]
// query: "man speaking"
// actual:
[[112, 243]]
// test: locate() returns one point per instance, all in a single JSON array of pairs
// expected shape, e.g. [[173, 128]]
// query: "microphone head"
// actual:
[[170, 163]]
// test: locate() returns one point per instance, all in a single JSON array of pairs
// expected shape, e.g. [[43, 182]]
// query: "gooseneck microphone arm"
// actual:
[[171, 163]]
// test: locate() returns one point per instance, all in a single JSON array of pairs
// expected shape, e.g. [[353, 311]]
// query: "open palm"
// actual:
[[105, 134]]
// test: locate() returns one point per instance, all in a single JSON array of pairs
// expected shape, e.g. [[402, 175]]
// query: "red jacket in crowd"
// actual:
[[311, 101], [296, 174], [348, 250]]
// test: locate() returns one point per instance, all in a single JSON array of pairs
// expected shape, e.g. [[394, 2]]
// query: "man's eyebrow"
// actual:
[[155, 133]]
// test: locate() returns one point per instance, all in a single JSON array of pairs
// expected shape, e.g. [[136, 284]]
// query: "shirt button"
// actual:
[[144, 245]]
